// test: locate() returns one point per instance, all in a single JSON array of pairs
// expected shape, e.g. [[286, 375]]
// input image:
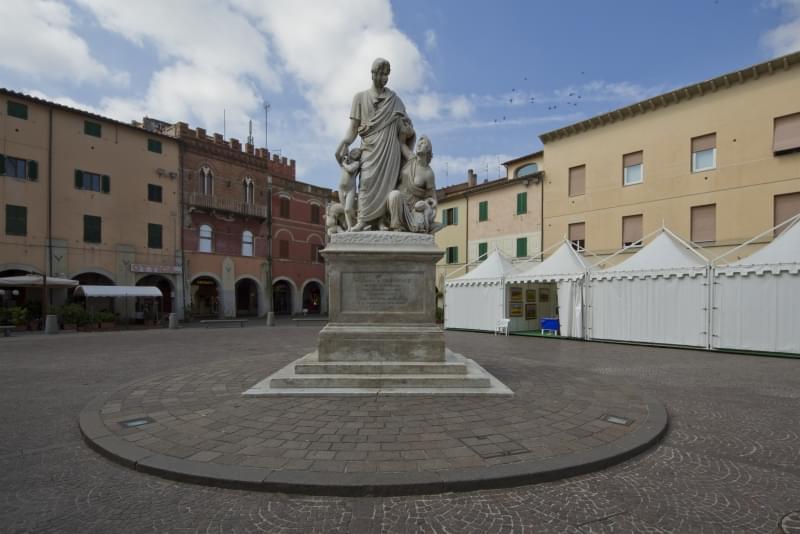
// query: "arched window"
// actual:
[[206, 239], [527, 170], [247, 243], [247, 184], [207, 178]]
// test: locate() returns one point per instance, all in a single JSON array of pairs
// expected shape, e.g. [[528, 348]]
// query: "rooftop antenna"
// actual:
[[250, 136], [266, 125]]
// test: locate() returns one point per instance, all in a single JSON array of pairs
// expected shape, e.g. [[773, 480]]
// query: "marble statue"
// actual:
[[387, 134], [335, 221], [412, 206], [351, 164]]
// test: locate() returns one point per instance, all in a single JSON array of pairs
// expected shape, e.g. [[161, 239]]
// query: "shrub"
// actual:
[[106, 317], [19, 315], [73, 314], [5, 316]]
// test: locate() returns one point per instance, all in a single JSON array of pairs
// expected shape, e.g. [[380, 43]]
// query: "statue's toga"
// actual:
[[377, 116]]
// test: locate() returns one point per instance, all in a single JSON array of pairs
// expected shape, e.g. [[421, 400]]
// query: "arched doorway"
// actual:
[[205, 297], [282, 297], [312, 298], [94, 304], [246, 297], [164, 286]]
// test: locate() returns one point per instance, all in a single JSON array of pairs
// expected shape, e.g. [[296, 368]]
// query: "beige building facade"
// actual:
[[88, 198], [718, 162]]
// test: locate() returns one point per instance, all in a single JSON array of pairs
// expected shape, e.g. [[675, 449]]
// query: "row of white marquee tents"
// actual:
[[665, 293]]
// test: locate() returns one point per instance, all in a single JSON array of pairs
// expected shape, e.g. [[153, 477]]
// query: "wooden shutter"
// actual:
[[483, 248], [106, 181], [154, 145], [704, 142], [577, 181], [522, 203], [154, 235], [283, 248], [33, 170], [92, 229], [634, 158], [455, 219], [284, 207], [2, 164], [483, 210], [786, 207], [704, 223], [631, 229], [786, 136], [15, 109], [577, 231], [16, 220], [78, 179], [522, 247]]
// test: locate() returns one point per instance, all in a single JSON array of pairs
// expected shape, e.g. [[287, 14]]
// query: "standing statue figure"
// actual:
[[378, 117], [412, 206]]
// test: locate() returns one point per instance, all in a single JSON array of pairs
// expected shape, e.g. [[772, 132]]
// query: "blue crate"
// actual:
[[550, 324]]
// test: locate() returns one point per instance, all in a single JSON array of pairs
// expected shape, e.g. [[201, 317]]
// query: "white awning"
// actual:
[[563, 264], [35, 280], [665, 256], [489, 272], [118, 291]]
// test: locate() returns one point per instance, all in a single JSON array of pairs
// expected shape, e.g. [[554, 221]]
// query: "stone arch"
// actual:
[[284, 231], [165, 285], [205, 300], [253, 308], [95, 270], [284, 296], [19, 267], [307, 294]]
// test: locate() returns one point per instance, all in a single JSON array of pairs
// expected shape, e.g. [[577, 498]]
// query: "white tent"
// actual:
[[659, 295], [567, 269], [757, 299], [476, 300]]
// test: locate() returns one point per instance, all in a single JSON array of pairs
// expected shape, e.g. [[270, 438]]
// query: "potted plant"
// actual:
[[5, 317], [70, 315], [19, 317], [106, 320]]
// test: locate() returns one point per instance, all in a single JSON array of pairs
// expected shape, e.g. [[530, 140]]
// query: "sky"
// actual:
[[481, 79]]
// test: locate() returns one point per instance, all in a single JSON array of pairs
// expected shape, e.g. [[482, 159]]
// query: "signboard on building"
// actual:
[[164, 269]]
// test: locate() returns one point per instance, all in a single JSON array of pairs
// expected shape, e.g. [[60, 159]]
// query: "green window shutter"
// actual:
[[522, 247], [16, 220], [522, 203], [33, 170], [483, 211], [483, 248], [2, 164], [154, 235], [106, 181], [154, 145], [455, 221], [455, 254], [92, 128], [78, 179], [92, 229], [15, 109]]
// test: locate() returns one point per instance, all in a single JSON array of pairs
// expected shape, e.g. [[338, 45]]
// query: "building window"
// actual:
[[284, 208], [483, 210], [577, 180], [527, 170], [92, 128], [704, 153], [633, 168], [19, 168], [92, 229], [247, 243], [153, 193], [207, 178], [154, 235], [632, 231], [16, 220], [206, 239], [17, 109], [577, 235], [483, 249], [522, 203], [154, 145], [283, 248], [522, 247], [450, 216], [314, 214], [786, 134], [452, 255], [90, 181], [316, 257], [704, 223], [248, 186], [785, 207]]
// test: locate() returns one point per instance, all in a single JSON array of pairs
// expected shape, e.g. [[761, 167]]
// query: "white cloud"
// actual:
[[64, 101], [426, 106], [785, 38], [461, 107], [39, 41], [430, 40]]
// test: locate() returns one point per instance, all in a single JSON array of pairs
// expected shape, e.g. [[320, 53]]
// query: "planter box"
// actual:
[[70, 326], [107, 326], [21, 328]]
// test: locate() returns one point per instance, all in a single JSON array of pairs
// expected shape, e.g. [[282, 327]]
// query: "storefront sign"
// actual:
[[142, 268]]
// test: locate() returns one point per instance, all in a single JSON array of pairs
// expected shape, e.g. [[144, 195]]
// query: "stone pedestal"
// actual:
[[382, 337]]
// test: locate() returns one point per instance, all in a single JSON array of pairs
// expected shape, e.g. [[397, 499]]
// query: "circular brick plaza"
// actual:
[[194, 425]]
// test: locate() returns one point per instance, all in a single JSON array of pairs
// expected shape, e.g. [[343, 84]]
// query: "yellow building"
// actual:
[[452, 239], [88, 198], [718, 162]]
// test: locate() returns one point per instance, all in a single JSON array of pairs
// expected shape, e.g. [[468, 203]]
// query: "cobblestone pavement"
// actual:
[[729, 463]]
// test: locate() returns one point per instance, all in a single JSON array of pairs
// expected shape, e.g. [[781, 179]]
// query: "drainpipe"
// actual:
[[181, 221], [268, 289], [48, 270], [541, 218]]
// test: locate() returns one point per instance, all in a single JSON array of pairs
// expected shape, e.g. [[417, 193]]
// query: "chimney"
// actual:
[[218, 138], [201, 133], [236, 145], [472, 178]]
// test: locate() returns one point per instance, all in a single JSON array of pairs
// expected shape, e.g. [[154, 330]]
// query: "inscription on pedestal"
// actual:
[[381, 291]]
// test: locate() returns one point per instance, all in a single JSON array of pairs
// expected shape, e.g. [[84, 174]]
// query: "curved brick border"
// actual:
[[101, 439]]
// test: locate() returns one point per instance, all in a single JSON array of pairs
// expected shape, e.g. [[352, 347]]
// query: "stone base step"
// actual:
[[384, 381], [380, 368]]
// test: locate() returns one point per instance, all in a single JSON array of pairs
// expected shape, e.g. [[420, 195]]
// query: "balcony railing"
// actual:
[[211, 202]]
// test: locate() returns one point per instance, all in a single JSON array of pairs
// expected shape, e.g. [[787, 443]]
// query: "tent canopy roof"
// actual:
[[665, 255], [783, 254], [118, 291], [563, 264], [35, 280], [495, 267]]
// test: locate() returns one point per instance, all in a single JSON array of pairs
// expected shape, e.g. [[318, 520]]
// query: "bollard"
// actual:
[[173, 320], [270, 318], [51, 324]]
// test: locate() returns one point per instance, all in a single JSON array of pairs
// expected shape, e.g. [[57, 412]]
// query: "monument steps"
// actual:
[[386, 368], [384, 381]]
